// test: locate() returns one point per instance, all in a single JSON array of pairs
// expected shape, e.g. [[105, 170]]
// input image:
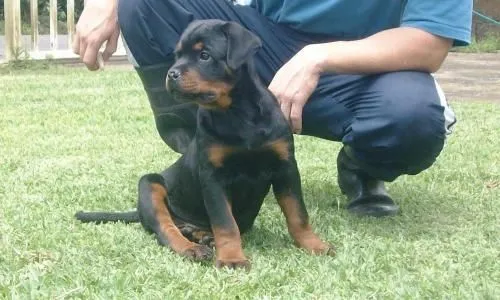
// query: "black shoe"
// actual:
[[367, 195], [175, 123]]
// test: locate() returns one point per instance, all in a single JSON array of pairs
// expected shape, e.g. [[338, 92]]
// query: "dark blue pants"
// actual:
[[395, 123]]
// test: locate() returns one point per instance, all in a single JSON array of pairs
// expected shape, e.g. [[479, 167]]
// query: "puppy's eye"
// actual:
[[204, 55]]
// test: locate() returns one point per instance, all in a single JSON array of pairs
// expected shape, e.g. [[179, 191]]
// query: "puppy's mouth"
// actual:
[[207, 98], [181, 95], [190, 87], [204, 98], [189, 90]]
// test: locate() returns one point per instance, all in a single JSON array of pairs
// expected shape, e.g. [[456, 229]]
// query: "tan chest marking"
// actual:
[[217, 153], [280, 148]]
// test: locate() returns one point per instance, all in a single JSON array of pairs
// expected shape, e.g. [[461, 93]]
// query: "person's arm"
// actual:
[[428, 30], [389, 50], [97, 24], [395, 49]]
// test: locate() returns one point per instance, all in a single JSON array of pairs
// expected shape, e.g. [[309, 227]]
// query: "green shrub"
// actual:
[[489, 43]]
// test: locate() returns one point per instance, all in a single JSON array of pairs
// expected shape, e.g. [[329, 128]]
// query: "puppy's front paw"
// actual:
[[323, 248], [233, 263], [315, 245]]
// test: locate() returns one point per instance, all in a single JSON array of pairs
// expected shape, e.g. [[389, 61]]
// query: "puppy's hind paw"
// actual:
[[199, 252]]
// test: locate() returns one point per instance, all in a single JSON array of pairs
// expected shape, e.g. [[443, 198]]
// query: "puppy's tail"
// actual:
[[100, 217]]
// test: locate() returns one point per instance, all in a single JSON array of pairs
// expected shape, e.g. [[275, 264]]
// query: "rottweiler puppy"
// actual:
[[243, 146]]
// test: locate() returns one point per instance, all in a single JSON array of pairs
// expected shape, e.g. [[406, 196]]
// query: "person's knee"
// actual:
[[417, 115], [129, 12], [417, 124], [409, 131], [131, 22], [151, 28]]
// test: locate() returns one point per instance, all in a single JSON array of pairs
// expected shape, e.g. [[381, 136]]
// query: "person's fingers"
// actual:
[[276, 84], [274, 92], [75, 45], [100, 60], [111, 45], [90, 56], [285, 108], [83, 46], [283, 100], [296, 117]]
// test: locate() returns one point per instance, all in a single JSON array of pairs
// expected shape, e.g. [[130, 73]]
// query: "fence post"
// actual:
[[53, 24], [34, 24], [12, 11], [70, 21]]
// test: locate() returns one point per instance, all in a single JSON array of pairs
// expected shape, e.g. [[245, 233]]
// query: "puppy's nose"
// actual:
[[174, 74]]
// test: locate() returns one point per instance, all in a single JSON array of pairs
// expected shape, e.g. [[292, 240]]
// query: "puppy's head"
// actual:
[[209, 56]]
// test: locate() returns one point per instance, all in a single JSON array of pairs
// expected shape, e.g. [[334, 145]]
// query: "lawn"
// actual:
[[71, 139]]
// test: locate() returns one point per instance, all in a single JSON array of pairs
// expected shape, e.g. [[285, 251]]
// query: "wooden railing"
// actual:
[[12, 13], [16, 46]]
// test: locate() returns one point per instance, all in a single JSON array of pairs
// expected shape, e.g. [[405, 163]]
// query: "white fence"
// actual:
[[16, 45]]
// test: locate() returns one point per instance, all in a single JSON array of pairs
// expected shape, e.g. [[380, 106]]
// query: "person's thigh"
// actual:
[[396, 123], [151, 30]]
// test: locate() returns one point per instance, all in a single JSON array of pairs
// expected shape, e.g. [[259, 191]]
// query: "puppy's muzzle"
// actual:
[[174, 74], [176, 85], [173, 79]]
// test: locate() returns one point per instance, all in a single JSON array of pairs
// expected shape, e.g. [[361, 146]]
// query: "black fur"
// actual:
[[199, 187]]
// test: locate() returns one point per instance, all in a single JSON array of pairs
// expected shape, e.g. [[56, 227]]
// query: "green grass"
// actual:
[[490, 43], [71, 139]]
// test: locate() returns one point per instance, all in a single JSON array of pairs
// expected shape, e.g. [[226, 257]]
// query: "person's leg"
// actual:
[[390, 124], [151, 29]]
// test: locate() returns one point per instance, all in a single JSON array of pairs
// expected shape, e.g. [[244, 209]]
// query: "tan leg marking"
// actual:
[[299, 227], [176, 240]]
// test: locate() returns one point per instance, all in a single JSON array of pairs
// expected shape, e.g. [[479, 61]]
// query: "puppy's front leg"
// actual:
[[288, 192], [229, 251]]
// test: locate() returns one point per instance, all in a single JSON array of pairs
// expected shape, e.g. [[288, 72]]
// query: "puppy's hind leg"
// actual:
[[156, 218]]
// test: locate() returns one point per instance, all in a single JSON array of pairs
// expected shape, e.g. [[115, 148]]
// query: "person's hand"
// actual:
[[97, 24], [294, 83]]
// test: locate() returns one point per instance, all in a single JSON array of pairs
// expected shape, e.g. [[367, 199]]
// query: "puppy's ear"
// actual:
[[241, 44]]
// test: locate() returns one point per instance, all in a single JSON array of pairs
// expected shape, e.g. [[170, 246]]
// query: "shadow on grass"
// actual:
[[422, 213]]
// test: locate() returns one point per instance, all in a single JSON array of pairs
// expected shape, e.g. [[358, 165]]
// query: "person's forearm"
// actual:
[[389, 50]]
